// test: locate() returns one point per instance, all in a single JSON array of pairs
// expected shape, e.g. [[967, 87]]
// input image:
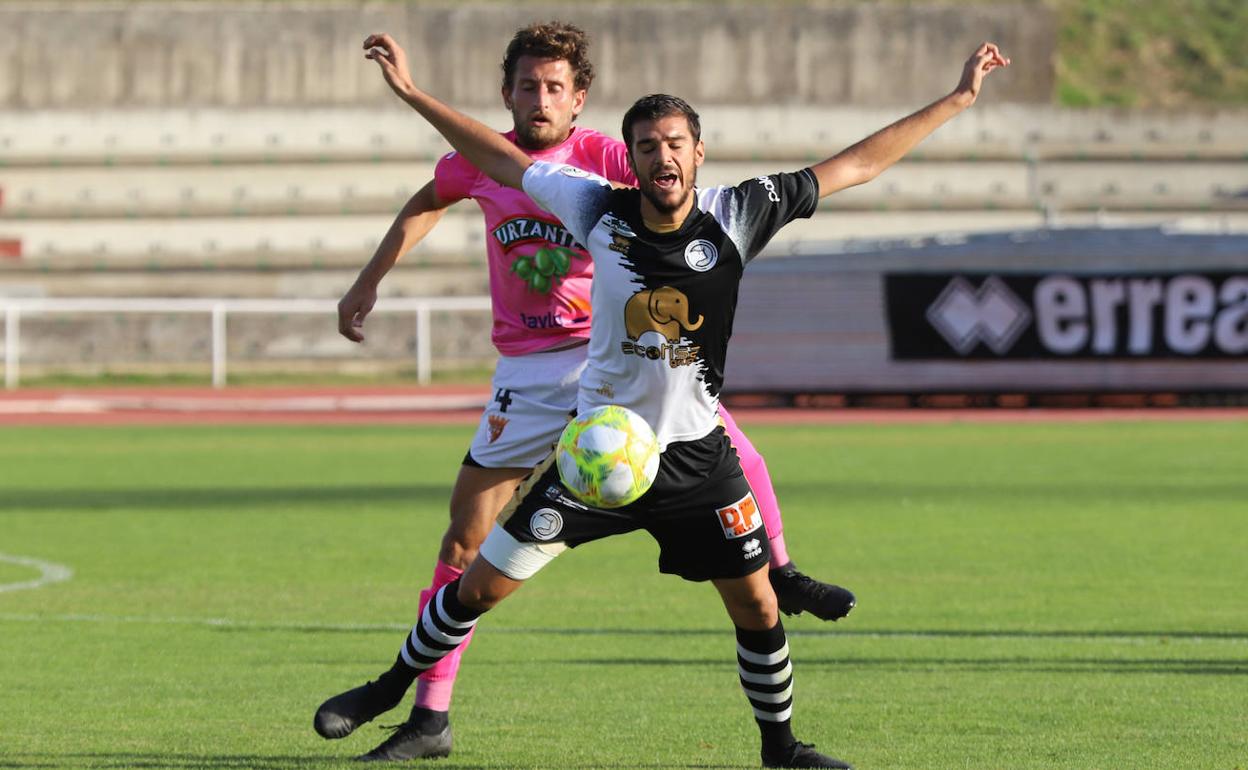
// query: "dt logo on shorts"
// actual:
[[741, 518]]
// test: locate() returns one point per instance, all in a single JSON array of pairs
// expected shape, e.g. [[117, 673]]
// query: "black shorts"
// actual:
[[700, 510]]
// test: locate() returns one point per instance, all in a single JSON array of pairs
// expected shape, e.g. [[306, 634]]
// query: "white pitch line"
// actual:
[[208, 622], [263, 625], [49, 573]]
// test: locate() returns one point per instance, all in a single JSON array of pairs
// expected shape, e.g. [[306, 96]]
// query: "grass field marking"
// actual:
[[1118, 637], [15, 617], [49, 573]]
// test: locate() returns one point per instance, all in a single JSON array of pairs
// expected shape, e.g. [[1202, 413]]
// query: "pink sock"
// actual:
[[434, 687], [760, 481]]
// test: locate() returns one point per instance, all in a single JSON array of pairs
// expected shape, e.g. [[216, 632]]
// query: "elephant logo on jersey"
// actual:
[[664, 310]]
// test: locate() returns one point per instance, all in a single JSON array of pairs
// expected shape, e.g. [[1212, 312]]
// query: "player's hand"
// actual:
[[354, 306], [985, 59], [390, 56]]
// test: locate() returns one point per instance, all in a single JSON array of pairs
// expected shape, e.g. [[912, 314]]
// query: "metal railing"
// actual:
[[219, 311]]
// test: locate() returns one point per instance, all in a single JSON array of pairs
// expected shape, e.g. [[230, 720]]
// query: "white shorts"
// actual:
[[534, 395]]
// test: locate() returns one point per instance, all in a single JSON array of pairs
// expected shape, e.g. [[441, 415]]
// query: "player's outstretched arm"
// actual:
[[865, 160], [415, 220], [483, 147]]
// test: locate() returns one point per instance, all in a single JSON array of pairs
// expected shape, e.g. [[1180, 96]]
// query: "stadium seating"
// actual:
[[290, 203], [281, 190]]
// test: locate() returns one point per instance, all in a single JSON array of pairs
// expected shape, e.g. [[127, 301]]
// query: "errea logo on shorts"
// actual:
[[752, 548], [741, 518]]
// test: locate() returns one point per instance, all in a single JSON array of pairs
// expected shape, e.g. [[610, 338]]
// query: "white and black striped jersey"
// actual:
[[663, 303]]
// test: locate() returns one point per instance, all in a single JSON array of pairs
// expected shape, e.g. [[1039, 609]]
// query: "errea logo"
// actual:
[[752, 548], [966, 316]]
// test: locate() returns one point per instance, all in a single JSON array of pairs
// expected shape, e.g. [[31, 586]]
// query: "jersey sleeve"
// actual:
[[615, 164], [755, 210], [577, 197], [454, 177]]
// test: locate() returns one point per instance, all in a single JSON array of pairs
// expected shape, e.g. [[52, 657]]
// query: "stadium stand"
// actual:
[[194, 171], [219, 203], [223, 191]]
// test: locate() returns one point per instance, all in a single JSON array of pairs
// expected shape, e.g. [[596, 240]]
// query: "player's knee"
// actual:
[[756, 610], [467, 530], [479, 596], [459, 548], [765, 610], [483, 586], [475, 599]]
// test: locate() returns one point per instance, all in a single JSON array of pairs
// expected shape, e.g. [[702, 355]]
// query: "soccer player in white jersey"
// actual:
[[693, 244], [540, 288]]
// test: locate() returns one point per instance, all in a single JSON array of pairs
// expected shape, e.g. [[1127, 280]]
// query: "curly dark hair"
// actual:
[[552, 40], [657, 106]]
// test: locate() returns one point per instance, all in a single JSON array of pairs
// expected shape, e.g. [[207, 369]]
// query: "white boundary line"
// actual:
[[207, 622], [1124, 638], [49, 573]]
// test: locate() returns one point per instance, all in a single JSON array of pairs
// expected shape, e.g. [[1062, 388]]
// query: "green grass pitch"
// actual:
[[1030, 596]]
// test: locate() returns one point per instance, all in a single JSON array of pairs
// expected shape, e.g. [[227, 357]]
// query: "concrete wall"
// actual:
[[236, 54]]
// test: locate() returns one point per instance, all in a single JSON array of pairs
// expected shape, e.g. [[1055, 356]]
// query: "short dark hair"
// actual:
[[657, 106], [551, 40]]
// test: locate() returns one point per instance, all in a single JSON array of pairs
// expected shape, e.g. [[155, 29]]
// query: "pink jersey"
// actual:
[[539, 274]]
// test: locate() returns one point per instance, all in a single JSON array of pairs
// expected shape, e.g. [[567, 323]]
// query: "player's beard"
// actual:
[[662, 206], [536, 137], [531, 137]]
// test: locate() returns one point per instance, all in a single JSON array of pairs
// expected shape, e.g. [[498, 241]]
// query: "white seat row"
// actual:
[[345, 243], [257, 242], [382, 188], [234, 190], [742, 132]]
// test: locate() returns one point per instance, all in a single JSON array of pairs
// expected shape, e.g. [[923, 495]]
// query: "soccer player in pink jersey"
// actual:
[[539, 285]]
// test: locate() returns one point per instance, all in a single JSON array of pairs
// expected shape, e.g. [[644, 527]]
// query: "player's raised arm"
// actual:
[[868, 158], [482, 146], [413, 223]]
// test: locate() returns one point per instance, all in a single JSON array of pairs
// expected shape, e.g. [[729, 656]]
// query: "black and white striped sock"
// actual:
[[767, 678], [443, 625]]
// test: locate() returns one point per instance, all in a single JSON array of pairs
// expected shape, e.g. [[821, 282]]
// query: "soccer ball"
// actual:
[[608, 456]]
